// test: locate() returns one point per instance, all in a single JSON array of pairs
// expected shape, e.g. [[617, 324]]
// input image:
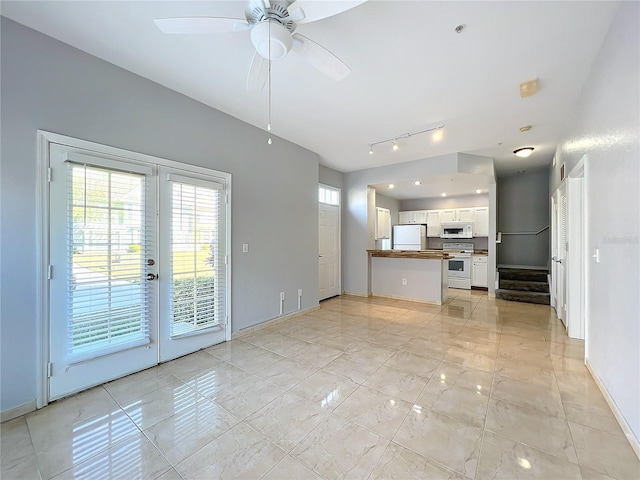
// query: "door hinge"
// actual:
[[49, 369], [49, 174], [50, 272], [225, 259]]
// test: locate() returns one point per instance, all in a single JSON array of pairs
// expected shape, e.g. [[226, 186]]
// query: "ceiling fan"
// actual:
[[272, 24]]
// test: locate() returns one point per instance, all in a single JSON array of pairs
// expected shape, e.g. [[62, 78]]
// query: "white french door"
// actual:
[[137, 266], [192, 263]]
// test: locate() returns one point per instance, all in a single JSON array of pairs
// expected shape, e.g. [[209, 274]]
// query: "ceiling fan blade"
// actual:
[[318, 9], [258, 71], [320, 57], [201, 25]]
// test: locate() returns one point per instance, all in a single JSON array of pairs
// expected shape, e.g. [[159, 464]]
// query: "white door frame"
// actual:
[[576, 265], [44, 139], [340, 201]]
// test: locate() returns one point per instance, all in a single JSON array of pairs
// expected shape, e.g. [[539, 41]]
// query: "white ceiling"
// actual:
[[454, 185], [410, 71]]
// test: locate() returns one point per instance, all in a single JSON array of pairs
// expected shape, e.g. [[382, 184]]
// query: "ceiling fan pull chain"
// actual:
[[269, 122]]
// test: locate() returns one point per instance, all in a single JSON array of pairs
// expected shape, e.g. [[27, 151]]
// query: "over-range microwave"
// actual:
[[457, 230]]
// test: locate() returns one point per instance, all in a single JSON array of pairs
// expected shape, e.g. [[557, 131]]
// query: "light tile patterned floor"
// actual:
[[360, 389]]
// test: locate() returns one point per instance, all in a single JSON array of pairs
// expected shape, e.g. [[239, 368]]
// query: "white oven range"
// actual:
[[459, 264]]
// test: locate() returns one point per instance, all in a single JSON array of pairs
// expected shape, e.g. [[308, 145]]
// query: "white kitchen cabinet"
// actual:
[[414, 217], [383, 223], [465, 215], [479, 271], [433, 223], [448, 216], [457, 215], [481, 222]]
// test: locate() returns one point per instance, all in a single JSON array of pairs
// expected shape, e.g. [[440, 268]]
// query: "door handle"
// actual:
[[152, 276]]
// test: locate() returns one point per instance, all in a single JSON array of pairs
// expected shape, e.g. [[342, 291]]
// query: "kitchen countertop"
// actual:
[[424, 254]]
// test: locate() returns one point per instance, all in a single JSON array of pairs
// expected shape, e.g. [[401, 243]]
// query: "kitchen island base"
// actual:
[[423, 280]]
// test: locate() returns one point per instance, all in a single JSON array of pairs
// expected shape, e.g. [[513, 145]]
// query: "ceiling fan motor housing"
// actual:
[[281, 40]]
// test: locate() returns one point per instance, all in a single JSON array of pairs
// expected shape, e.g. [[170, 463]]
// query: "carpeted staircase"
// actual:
[[523, 285]]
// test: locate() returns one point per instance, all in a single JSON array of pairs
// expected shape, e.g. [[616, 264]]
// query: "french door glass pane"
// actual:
[[197, 268], [107, 242]]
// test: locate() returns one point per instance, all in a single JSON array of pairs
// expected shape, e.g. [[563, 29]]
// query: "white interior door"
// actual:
[[134, 281], [561, 254], [329, 250]]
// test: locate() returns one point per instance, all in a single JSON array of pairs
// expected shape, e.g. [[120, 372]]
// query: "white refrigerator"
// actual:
[[409, 237]]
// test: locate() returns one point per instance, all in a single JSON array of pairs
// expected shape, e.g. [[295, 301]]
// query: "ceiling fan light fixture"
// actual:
[[523, 152], [281, 40]]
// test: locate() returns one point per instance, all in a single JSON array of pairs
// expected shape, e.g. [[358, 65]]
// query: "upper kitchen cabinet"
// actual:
[[383, 223], [481, 222], [433, 223], [416, 217], [457, 215]]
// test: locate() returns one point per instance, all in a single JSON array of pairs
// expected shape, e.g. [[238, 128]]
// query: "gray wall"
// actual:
[[331, 177], [605, 129], [523, 206], [440, 203], [51, 86], [391, 203]]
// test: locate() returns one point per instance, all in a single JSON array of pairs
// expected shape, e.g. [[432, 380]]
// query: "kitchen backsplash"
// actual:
[[479, 243]]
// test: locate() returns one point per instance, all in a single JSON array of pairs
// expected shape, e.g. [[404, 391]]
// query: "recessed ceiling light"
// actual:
[[523, 152], [391, 185], [526, 128], [443, 194], [417, 182], [478, 191]]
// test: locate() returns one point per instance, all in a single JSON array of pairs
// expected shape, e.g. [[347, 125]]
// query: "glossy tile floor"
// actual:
[[361, 388]]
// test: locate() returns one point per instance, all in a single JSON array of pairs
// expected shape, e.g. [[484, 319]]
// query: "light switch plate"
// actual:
[[245, 248]]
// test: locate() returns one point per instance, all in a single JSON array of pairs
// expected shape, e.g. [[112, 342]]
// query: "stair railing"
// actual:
[[499, 236]]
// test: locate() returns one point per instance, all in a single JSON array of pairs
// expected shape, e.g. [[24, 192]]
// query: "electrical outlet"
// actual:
[[281, 295], [299, 292], [245, 247], [404, 281]]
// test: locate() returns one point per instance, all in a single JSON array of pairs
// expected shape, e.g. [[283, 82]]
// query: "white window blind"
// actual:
[[108, 245], [197, 259]]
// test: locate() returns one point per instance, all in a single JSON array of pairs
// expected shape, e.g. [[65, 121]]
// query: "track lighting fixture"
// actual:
[[437, 135]]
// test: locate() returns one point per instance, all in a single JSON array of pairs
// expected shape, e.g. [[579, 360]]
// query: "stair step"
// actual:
[[524, 285], [526, 297], [523, 274]]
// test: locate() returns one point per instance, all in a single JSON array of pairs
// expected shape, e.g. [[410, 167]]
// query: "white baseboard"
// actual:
[[635, 444], [417, 300], [355, 294], [17, 411], [249, 330]]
